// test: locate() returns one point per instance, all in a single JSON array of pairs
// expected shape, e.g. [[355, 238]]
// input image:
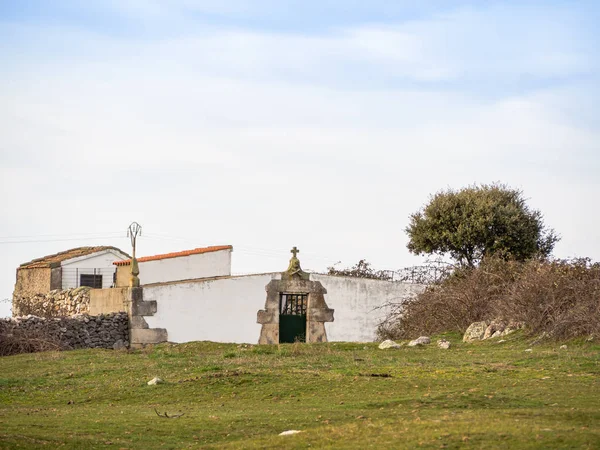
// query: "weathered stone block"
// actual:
[[138, 322], [263, 317], [143, 308], [148, 336]]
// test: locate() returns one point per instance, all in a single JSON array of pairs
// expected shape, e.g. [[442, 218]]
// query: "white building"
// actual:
[[205, 262]]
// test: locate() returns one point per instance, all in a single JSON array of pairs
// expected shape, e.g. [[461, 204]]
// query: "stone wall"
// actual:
[[55, 303], [104, 301], [82, 331], [33, 281]]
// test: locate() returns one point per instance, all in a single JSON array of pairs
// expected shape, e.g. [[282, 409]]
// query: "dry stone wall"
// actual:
[[56, 303], [81, 331]]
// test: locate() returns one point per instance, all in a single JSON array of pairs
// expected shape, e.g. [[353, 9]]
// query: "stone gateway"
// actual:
[[295, 309]]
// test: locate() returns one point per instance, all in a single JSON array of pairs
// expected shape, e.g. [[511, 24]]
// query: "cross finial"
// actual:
[[295, 251]]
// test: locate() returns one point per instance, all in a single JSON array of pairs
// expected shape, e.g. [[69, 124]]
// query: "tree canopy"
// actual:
[[479, 221]]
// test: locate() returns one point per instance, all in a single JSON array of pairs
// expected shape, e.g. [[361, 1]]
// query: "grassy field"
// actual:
[[483, 395]]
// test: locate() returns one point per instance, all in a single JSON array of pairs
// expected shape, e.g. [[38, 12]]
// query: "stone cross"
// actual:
[[295, 251]]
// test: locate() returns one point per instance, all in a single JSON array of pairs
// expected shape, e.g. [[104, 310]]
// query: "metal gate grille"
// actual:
[[293, 304]]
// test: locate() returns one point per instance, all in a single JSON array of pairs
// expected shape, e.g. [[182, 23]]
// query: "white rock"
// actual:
[[289, 432], [475, 332], [563, 347], [443, 343], [528, 350], [423, 340], [388, 344], [155, 381]]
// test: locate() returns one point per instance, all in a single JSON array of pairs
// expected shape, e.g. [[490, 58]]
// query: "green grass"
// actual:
[[484, 395]]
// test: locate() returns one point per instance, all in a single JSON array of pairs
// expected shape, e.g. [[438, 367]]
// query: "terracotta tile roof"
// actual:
[[195, 251], [57, 258]]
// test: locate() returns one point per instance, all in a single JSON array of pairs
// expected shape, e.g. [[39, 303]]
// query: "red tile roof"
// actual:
[[55, 259], [196, 251]]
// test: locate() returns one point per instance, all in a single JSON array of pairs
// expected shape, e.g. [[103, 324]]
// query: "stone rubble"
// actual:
[[56, 303], [479, 331]]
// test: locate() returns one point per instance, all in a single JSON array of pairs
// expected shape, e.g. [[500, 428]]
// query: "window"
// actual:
[[293, 304], [93, 281]]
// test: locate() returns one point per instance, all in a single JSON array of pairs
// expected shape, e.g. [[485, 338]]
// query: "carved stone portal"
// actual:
[[296, 284]]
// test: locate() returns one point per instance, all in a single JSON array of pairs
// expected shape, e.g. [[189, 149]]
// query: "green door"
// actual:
[[292, 317]]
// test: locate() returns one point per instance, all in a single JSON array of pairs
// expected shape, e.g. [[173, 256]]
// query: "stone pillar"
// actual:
[[140, 333]]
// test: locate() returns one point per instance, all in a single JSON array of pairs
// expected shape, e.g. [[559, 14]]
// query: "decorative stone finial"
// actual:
[[294, 268], [132, 232]]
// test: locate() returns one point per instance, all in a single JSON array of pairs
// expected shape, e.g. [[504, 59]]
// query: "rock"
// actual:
[[388, 344], [423, 340], [563, 347], [475, 332], [528, 350], [154, 381], [443, 343], [496, 326], [290, 432]]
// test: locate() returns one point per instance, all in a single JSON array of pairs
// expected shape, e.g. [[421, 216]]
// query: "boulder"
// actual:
[[389, 344], [423, 340], [475, 332]]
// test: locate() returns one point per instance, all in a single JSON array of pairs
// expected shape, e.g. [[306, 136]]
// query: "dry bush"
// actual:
[[560, 298], [15, 340]]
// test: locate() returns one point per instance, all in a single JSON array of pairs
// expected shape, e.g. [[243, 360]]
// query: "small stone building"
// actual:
[[81, 266]]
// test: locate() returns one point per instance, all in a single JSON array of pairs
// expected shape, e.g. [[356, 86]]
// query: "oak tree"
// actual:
[[479, 221]]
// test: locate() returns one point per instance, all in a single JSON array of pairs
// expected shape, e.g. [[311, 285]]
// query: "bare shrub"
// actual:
[[15, 340], [560, 298], [362, 269]]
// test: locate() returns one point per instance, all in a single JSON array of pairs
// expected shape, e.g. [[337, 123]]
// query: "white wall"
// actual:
[[202, 265], [224, 310], [100, 263], [358, 305]]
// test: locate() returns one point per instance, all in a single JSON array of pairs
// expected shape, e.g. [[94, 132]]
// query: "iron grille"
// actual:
[[93, 281], [293, 304]]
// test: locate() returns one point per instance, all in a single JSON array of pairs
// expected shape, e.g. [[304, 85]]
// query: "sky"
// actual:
[[269, 124]]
